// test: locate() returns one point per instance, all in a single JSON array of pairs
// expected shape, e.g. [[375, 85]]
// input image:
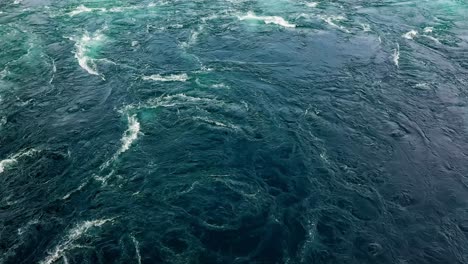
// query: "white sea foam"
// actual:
[[83, 9], [14, 159], [118, 9], [312, 4], [167, 78], [330, 20], [277, 20], [428, 29], [84, 45], [66, 196], [3, 119], [410, 34], [193, 38], [23, 229], [396, 55], [129, 136], [137, 249], [366, 27], [72, 236]]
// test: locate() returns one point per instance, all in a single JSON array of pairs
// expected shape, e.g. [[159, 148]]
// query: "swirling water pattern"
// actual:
[[233, 131]]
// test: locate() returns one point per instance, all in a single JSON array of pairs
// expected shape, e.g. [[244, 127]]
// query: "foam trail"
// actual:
[[396, 55], [410, 34], [168, 78], [68, 243], [277, 20], [14, 159], [137, 249]]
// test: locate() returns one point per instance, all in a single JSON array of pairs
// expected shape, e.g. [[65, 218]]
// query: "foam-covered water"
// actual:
[[233, 131]]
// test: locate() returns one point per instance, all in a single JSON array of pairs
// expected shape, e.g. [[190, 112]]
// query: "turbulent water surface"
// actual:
[[234, 131]]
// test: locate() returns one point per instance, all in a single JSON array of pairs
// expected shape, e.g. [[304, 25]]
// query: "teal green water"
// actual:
[[234, 131]]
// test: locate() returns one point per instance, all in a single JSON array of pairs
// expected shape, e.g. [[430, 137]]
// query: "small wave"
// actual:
[[74, 234], [312, 4], [14, 159], [277, 20], [432, 38], [330, 20], [396, 55], [428, 31], [168, 78], [410, 34], [84, 46]]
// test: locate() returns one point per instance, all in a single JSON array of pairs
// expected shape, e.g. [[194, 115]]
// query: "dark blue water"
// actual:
[[234, 131]]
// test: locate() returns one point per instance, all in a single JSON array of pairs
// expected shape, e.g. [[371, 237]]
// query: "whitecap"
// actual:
[[14, 159], [366, 27], [410, 34], [84, 45], [167, 78], [131, 134], [312, 4], [428, 29], [277, 20], [68, 242], [396, 55]]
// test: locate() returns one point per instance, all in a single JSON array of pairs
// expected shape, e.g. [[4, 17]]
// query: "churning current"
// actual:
[[234, 131]]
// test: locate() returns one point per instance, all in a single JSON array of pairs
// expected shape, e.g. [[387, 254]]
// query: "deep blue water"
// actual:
[[234, 131]]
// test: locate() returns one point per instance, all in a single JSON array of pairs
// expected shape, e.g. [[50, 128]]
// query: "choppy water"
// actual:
[[235, 131]]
